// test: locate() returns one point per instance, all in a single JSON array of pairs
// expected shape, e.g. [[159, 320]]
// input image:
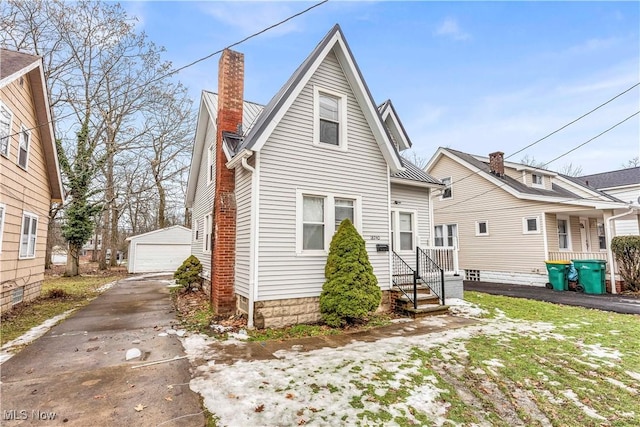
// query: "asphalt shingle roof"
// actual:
[[611, 179], [13, 61]]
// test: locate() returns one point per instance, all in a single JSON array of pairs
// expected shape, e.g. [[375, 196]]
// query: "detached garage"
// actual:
[[159, 250]]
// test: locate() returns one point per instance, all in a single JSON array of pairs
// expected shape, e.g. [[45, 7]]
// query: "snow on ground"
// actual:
[[464, 308], [321, 386], [31, 335]]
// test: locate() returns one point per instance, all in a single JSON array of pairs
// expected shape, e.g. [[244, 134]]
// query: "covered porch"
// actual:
[[586, 234]]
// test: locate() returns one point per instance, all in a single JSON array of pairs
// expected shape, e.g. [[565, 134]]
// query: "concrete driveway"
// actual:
[[77, 372], [607, 302]]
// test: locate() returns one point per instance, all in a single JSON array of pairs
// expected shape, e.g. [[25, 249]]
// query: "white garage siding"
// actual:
[[159, 250]]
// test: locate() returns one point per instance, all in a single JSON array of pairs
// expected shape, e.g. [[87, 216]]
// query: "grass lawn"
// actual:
[[59, 294], [524, 363]]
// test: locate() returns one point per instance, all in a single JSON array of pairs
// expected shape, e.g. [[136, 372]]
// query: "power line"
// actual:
[[560, 128], [560, 156], [177, 70], [573, 121]]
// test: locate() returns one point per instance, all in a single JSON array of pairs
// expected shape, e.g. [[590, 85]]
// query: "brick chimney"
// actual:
[[496, 163], [230, 99]]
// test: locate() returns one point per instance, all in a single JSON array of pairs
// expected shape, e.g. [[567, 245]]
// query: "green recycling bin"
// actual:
[[558, 274], [591, 275]]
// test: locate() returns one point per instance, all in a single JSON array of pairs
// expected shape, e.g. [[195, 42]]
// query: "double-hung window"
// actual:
[[446, 191], [536, 180], [197, 230], [28, 235], [402, 231], [23, 149], [320, 215], [313, 224], [602, 240], [445, 234], [330, 118], [208, 224], [563, 234], [210, 163], [5, 129], [3, 208]]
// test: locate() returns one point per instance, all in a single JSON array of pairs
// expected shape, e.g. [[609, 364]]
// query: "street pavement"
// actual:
[[77, 373], [625, 304]]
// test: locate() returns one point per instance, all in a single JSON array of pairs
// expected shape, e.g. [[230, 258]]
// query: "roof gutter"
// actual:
[[239, 158], [412, 183]]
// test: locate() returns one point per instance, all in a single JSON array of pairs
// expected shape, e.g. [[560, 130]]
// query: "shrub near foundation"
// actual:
[[627, 252], [350, 292], [188, 274]]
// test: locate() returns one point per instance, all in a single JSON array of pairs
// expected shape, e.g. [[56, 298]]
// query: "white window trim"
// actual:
[[196, 236], [478, 233], [23, 129], [396, 230], [35, 241], [2, 105], [342, 113], [524, 225], [450, 187], [329, 218], [3, 207], [598, 224], [569, 247], [207, 231], [534, 184], [210, 173], [445, 235]]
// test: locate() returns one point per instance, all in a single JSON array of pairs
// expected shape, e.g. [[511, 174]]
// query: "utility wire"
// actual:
[[573, 121], [560, 156], [177, 70], [558, 130]]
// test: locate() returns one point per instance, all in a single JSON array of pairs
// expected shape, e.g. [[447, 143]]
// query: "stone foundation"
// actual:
[[287, 312], [31, 292]]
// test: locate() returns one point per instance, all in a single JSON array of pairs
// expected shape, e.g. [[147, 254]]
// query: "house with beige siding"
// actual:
[[507, 218], [269, 184], [29, 176]]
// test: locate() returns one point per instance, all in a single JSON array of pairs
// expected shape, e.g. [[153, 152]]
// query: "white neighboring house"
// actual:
[[159, 250], [623, 184], [268, 186]]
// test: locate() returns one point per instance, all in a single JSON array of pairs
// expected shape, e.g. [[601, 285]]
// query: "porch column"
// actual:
[[609, 231]]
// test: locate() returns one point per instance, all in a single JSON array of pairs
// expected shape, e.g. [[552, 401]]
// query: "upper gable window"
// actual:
[[5, 129], [210, 163], [447, 192], [330, 118], [23, 150], [536, 180]]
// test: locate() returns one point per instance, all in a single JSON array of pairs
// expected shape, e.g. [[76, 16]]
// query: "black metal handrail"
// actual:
[[430, 273], [405, 278]]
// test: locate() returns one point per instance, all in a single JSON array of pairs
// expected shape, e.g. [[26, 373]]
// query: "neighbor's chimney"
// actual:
[[496, 163], [230, 98]]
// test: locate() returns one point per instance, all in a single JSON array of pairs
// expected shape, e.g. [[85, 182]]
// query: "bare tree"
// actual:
[[415, 158], [633, 163], [570, 170]]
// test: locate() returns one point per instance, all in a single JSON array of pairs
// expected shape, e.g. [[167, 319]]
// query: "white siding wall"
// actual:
[[203, 204], [413, 199], [288, 162], [625, 227], [243, 231]]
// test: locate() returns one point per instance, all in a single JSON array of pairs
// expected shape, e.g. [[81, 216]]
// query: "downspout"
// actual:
[[612, 274], [252, 243]]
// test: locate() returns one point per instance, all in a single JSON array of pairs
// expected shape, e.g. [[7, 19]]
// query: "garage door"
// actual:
[[159, 257]]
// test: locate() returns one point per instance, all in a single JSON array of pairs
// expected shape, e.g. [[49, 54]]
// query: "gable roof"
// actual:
[[209, 111], [557, 194], [179, 228], [394, 125], [266, 122], [612, 179], [13, 65]]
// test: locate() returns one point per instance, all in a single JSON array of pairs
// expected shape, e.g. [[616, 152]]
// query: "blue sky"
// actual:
[[473, 76]]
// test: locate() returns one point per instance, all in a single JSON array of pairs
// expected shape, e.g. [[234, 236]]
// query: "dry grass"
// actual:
[[59, 294]]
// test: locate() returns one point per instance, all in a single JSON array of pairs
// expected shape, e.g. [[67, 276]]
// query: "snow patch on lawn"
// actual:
[[494, 362], [31, 335], [464, 308], [107, 286], [596, 350], [634, 375], [622, 385], [571, 395]]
